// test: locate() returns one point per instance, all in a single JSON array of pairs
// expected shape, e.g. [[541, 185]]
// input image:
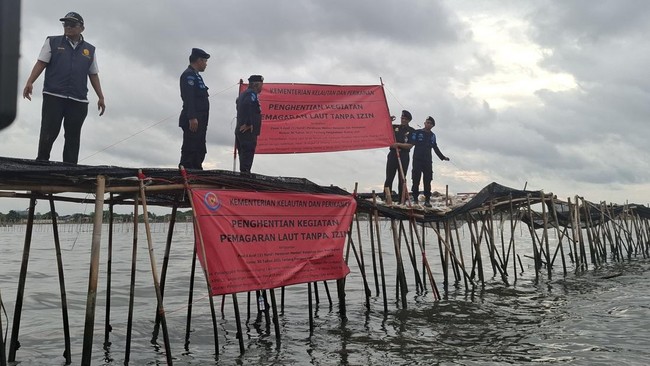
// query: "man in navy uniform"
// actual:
[[194, 115], [424, 141], [249, 122], [69, 61], [402, 146]]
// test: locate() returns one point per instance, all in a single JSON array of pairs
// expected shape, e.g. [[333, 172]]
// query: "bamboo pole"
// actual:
[[425, 261], [205, 260], [22, 279], [454, 263], [240, 333], [511, 243], [366, 289], [401, 276], [453, 257], [411, 253], [381, 257], [163, 274], [560, 235], [549, 266], [154, 271], [276, 320], [3, 354], [372, 244], [533, 236], [109, 276], [444, 260], [310, 309], [460, 255], [188, 321], [64, 297], [91, 301], [134, 261]]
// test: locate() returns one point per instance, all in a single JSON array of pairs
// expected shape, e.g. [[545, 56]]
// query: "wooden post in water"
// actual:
[[20, 293], [310, 309], [163, 273], [401, 276], [3, 355], [91, 300], [240, 334], [381, 257], [460, 253], [188, 322], [444, 260], [197, 230], [372, 245], [276, 319], [154, 271], [549, 264], [64, 297], [366, 289], [560, 235], [513, 224], [410, 247], [533, 236], [109, 272], [134, 257]]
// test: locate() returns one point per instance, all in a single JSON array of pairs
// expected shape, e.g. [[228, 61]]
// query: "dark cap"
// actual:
[[256, 79], [74, 17], [433, 121], [407, 115], [199, 53]]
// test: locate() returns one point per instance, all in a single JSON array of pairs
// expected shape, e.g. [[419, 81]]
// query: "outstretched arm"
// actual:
[[439, 153]]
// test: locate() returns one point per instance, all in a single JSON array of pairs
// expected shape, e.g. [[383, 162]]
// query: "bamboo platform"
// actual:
[[588, 235]]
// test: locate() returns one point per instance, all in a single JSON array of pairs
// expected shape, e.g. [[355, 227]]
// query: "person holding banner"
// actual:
[[399, 153], [424, 141], [194, 115], [249, 122]]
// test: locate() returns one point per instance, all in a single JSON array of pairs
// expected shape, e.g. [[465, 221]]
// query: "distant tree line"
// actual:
[[18, 217]]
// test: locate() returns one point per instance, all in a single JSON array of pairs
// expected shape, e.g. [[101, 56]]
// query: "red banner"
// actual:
[[262, 240], [307, 118]]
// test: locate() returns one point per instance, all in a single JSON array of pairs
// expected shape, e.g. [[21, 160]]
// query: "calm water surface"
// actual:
[[599, 317]]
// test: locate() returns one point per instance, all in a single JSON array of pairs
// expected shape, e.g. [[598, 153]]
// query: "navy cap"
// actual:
[[72, 16], [256, 78], [199, 53], [407, 115]]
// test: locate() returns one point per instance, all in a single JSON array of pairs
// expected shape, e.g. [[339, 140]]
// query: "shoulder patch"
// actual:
[[190, 79]]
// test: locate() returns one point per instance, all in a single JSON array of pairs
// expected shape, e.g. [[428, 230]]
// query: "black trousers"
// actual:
[[423, 169], [194, 144], [392, 168], [55, 112], [246, 144]]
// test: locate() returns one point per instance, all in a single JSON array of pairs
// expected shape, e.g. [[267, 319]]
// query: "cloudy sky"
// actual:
[[549, 94]]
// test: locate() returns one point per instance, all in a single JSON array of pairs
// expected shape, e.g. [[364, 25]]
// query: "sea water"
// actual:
[[596, 317]]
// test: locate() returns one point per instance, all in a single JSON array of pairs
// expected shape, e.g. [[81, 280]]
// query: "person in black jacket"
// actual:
[[194, 115], [69, 62], [249, 122], [424, 141], [402, 146]]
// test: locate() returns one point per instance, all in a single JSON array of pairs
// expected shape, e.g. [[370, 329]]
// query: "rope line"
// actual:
[[146, 128]]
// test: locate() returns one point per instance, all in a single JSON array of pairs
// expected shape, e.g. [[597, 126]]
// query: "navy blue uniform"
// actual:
[[402, 135], [249, 113], [423, 141], [195, 95]]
